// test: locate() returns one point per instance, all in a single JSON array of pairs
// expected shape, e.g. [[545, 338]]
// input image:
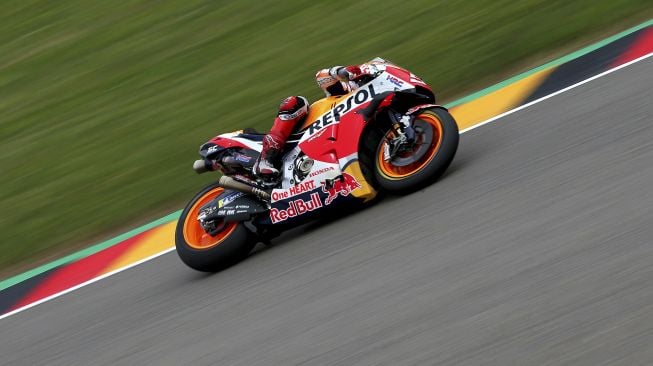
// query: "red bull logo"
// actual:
[[296, 208], [342, 186]]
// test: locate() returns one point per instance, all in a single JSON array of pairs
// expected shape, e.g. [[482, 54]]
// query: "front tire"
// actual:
[[204, 252], [437, 141]]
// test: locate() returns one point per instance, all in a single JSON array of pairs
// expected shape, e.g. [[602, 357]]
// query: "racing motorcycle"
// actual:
[[387, 136]]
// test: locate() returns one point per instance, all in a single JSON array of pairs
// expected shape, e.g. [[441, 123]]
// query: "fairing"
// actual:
[[320, 166]]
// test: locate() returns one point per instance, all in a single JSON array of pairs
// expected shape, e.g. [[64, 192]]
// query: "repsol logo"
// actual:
[[359, 97]]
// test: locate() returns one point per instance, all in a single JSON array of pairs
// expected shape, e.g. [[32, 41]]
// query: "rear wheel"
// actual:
[[203, 251], [436, 135]]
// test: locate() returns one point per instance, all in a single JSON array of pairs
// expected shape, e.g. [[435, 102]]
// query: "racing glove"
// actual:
[[353, 72], [348, 73]]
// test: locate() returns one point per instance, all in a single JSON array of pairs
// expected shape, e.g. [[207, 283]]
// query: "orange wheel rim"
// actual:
[[194, 234], [392, 171]]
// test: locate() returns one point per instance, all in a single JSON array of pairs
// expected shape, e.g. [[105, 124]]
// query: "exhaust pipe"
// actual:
[[200, 167], [228, 182]]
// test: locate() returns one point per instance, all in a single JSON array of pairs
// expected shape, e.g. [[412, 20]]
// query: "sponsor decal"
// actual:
[[212, 149], [296, 208], [361, 96], [229, 212], [213, 211], [282, 194], [243, 158], [342, 186], [230, 198], [321, 171], [394, 80]]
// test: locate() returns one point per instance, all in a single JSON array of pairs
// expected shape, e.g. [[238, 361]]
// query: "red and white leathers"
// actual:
[[291, 110], [338, 80]]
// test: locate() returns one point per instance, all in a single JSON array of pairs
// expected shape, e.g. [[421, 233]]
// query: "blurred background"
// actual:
[[103, 104]]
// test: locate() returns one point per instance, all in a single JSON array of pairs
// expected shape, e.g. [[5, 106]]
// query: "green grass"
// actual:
[[103, 104]]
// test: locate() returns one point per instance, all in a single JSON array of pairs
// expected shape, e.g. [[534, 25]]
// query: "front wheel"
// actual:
[[202, 251], [436, 142]]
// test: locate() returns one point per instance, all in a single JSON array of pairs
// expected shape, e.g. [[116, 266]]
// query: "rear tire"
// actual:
[[438, 136], [206, 253]]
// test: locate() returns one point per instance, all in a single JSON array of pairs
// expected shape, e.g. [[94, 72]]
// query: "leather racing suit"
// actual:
[[337, 80]]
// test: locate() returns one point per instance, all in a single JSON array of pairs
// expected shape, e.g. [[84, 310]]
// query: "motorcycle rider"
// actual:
[[337, 80]]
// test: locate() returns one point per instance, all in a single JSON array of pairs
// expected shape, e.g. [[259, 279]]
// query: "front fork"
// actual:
[[404, 135]]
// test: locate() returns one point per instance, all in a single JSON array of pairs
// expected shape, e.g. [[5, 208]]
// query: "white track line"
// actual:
[[462, 131]]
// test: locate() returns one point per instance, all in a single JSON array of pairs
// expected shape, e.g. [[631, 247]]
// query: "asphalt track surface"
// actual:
[[535, 249]]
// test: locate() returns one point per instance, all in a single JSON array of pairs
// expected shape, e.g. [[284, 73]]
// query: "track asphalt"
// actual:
[[534, 249]]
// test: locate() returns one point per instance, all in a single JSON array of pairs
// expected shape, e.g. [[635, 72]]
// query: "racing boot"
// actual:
[[267, 165], [291, 111]]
